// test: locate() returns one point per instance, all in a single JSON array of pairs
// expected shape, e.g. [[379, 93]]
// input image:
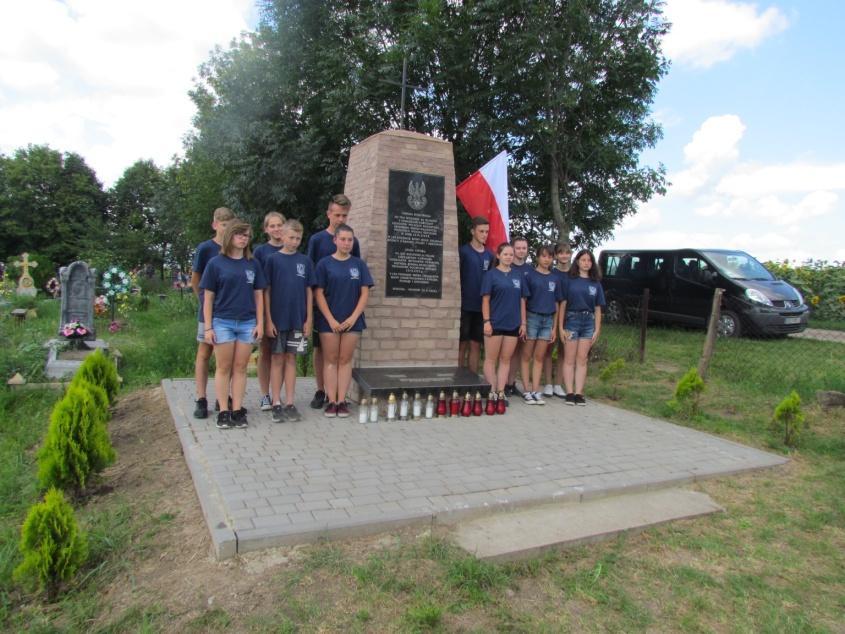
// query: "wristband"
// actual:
[[486, 321], [209, 329]]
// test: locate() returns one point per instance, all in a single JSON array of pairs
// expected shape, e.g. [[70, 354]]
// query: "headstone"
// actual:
[[402, 187], [26, 285], [78, 296]]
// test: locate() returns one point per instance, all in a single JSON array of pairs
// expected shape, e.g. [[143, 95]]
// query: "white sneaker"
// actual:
[[529, 398], [266, 403], [548, 390], [538, 399], [558, 391]]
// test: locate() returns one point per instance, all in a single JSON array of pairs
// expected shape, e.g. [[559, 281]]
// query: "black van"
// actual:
[[681, 284]]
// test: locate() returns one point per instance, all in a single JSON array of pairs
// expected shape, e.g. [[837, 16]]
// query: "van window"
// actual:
[[693, 269], [612, 266], [655, 266], [738, 265]]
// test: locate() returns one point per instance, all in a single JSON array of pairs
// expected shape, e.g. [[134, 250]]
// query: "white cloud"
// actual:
[[705, 32], [646, 216], [108, 80], [751, 180], [714, 145]]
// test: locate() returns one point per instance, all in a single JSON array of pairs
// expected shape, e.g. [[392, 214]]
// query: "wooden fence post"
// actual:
[[643, 323], [712, 329]]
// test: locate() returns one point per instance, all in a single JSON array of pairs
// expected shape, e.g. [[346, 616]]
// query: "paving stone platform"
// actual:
[[276, 484]]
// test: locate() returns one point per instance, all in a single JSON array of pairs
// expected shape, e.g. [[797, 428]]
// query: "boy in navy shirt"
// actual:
[[289, 316], [205, 251], [321, 245], [475, 261], [273, 222]]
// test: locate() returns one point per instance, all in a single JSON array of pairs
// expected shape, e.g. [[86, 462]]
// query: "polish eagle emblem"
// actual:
[[416, 195]]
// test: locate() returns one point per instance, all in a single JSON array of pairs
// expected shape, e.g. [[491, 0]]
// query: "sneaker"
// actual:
[[538, 399], [579, 400], [292, 414], [239, 419], [278, 414], [319, 400], [558, 389], [224, 420], [569, 399], [330, 411], [201, 408], [217, 405], [342, 410], [529, 398], [548, 390], [266, 403]]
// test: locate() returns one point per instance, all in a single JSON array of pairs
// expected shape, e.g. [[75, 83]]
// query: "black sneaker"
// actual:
[[278, 414], [224, 420], [319, 400], [580, 400], [201, 408], [292, 414], [239, 418], [569, 399]]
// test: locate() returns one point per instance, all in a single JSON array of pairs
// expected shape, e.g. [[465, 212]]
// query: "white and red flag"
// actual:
[[485, 193]]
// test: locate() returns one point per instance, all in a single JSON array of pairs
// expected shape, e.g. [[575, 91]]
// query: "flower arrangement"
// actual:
[[115, 282], [53, 287], [74, 330], [114, 327], [101, 305]]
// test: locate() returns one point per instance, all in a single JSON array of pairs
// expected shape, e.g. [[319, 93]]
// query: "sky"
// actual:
[[753, 144]]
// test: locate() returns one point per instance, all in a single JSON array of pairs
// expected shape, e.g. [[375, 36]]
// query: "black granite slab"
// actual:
[[382, 381]]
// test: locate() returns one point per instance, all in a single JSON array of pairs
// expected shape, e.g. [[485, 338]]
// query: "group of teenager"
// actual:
[[276, 296], [520, 311]]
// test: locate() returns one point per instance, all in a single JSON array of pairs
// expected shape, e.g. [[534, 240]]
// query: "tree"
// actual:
[[50, 203]]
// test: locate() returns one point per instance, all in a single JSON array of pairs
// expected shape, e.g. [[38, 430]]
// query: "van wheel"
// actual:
[[729, 325], [615, 312]]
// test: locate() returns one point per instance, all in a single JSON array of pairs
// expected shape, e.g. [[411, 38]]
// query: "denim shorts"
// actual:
[[539, 326], [581, 323], [229, 330]]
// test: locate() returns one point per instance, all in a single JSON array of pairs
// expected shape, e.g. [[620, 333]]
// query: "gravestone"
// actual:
[[404, 213], [26, 285], [78, 296]]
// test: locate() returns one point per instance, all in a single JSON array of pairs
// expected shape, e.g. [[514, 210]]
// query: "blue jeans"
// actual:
[[229, 330], [539, 326], [581, 323]]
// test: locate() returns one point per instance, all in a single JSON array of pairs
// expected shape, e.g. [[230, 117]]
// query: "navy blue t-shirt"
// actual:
[[233, 283], [506, 291], [473, 267], [341, 281], [545, 292], [263, 251], [321, 244], [289, 276], [522, 268], [584, 294], [205, 251]]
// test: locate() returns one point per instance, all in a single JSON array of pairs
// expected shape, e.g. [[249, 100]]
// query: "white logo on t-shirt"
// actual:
[[250, 276], [551, 287], [354, 274], [486, 264], [300, 269], [515, 283], [593, 291]]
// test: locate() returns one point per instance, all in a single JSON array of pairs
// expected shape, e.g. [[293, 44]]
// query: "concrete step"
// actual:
[[527, 533]]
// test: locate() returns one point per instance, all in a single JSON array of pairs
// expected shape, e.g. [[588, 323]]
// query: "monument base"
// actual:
[[382, 381], [59, 366]]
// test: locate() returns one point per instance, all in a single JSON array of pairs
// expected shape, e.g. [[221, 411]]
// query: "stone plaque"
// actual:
[[78, 296], [414, 235]]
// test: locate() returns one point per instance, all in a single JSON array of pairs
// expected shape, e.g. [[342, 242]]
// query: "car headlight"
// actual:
[[800, 296], [757, 297]]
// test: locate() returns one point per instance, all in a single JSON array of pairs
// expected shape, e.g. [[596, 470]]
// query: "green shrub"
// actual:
[[99, 370], [52, 545], [822, 283], [77, 442], [101, 398], [687, 393], [788, 420], [610, 372]]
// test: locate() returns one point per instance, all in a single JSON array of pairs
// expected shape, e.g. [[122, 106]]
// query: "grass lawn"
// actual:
[[773, 562], [827, 324]]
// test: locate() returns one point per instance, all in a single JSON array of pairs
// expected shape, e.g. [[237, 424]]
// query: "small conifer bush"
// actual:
[[52, 545], [788, 420], [609, 374], [77, 442], [687, 393], [98, 394], [99, 370]]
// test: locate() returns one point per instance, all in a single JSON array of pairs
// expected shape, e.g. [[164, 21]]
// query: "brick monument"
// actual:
[[402, 187]]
